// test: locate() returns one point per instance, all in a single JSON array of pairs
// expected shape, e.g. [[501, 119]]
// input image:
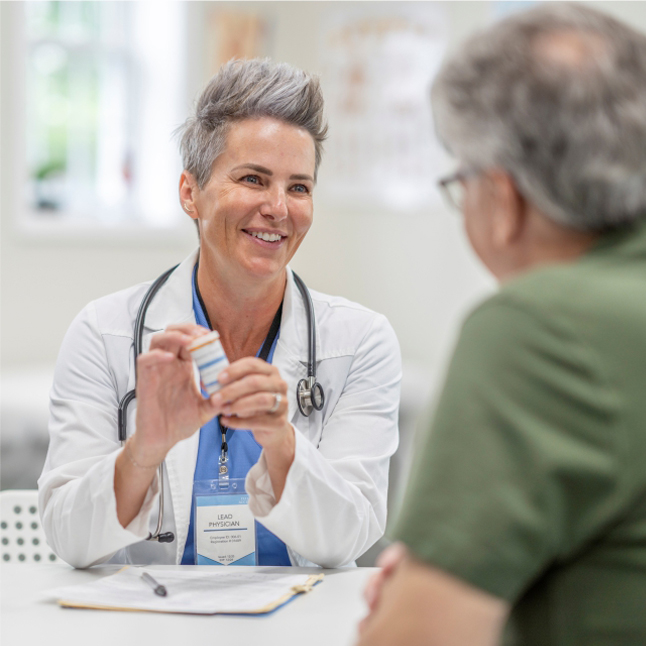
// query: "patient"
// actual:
[[526, 512]]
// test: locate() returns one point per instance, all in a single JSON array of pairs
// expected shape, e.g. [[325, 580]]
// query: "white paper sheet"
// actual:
[[189, 591]]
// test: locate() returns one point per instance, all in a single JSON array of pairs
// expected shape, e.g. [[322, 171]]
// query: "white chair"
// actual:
[[22, 537]]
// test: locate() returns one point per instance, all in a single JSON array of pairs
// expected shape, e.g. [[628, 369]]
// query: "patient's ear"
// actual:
[[509, 215]]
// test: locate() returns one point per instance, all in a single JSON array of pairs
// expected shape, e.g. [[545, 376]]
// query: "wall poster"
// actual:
[[378, 63]]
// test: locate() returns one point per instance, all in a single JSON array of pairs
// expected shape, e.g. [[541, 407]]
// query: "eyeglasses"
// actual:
[[452, 187]]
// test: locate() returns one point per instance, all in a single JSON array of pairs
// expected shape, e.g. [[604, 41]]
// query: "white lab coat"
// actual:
[[333, 507]]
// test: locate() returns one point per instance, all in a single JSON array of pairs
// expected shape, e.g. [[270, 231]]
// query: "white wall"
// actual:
[[417, 269]]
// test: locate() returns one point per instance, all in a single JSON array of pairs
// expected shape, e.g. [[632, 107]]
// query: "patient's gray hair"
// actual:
[[245, 89], [556, 96]]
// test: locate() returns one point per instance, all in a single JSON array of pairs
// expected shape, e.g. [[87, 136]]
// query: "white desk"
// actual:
[[327, 616]]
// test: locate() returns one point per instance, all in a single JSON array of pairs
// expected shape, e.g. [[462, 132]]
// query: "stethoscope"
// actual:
[[309, 393]]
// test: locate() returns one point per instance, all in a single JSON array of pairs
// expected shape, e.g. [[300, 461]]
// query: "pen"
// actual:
[[157, 587]]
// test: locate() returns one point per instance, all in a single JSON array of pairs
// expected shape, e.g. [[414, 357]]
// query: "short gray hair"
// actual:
[[556, 96], [244, 89]]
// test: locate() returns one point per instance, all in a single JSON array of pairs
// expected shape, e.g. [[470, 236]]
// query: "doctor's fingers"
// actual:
[[159, 369], [250, 384], [207, 409], [265, 403], [270, 423], [154, 360], [246, 366], [175, 342]]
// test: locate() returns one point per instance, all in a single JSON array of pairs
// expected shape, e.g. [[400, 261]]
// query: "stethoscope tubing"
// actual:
[[138, 346], [311, 325]]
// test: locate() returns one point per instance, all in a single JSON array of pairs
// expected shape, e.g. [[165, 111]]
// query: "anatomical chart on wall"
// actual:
[[237, 33], [377, 67]]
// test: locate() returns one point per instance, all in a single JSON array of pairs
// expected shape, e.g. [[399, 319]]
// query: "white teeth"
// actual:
[[268, 237]]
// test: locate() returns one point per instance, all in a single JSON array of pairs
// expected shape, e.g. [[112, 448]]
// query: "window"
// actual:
[[104, 92]]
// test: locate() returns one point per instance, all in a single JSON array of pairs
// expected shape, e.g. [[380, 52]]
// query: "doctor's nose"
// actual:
[[275, 205]]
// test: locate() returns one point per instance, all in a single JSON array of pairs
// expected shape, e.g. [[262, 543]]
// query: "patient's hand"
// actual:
[[388, 561]]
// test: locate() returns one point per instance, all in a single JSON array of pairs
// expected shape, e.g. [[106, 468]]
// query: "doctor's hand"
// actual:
[[254, 396], [170, 407]]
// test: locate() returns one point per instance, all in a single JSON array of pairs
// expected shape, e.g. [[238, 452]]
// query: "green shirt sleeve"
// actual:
[[519, 469]]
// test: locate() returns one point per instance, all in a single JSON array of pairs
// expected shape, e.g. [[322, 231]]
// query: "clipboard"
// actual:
[[195, 591]]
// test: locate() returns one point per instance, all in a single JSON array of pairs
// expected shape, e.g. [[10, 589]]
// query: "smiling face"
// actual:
[[257, 205]]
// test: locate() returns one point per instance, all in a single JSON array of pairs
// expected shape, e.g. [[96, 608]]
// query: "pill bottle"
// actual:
[[208, 354]]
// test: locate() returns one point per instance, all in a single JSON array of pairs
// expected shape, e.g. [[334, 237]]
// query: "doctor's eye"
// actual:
[[300, 188], [251, 179]]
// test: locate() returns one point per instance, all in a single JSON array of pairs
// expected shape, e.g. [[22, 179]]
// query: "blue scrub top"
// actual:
[[244, 452]]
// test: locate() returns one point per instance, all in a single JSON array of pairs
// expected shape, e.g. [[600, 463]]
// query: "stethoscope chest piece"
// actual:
[[309, 396]]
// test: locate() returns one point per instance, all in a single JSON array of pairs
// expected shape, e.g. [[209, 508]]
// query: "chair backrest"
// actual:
[[22, 537]]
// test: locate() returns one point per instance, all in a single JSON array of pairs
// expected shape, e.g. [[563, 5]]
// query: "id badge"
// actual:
[[225, 529]]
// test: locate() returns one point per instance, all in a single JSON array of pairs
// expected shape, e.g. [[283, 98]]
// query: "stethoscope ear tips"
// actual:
[[309, 396]]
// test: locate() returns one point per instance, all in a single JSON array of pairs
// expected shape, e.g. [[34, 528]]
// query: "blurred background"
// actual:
[[91, 93]]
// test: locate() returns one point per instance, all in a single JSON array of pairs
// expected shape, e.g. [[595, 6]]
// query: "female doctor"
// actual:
[[317, 484]]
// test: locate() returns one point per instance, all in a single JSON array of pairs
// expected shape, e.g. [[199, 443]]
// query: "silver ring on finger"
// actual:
[[277, 399]]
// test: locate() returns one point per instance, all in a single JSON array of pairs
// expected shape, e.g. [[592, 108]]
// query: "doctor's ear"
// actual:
[[187, 191]]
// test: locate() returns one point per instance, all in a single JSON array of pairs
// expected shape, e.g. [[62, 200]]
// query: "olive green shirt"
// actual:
[[531, 483]]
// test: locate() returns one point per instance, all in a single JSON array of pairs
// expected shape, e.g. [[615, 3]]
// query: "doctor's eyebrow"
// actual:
[[266, 171]]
